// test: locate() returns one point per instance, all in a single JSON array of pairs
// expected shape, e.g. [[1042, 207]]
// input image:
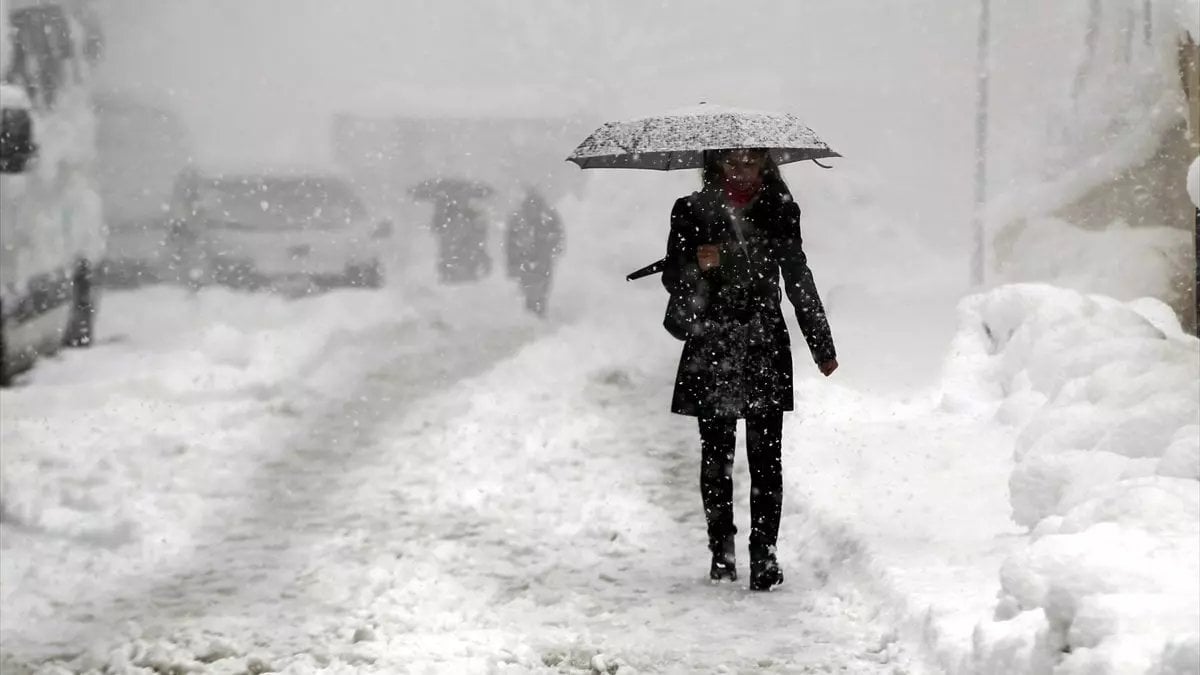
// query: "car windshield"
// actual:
[[279, 203]]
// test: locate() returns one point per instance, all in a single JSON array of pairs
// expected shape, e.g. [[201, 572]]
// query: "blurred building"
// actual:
[[1114, 155]]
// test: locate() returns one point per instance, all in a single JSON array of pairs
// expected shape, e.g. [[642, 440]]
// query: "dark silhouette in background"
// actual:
[[460, 228], [534, 238]]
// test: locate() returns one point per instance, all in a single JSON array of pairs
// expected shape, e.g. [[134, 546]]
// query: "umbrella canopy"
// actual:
[[678, 139]]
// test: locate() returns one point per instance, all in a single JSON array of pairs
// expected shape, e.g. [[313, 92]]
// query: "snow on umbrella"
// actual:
[[678, 139]]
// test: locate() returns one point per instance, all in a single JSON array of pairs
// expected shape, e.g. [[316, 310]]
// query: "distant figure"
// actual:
[[460, 227], [188, 263], [462, 242], [533, 240]]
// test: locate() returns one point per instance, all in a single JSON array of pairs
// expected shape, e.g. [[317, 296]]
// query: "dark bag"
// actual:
[[684, 318]]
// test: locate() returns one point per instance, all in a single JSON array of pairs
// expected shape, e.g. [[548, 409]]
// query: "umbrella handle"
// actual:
[[655, 267], [823, 166]]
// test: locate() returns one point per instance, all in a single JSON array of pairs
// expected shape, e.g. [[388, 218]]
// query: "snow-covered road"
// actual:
[[433, 494], [422, 479]]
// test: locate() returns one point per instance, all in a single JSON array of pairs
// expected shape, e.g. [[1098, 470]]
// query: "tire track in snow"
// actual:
[[255, 553], [551, 531], [455, 516], [600, 551]]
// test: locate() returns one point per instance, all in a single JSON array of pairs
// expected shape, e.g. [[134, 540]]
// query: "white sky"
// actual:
[[890, 83]]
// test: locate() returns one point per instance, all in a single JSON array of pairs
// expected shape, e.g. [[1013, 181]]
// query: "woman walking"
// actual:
[[728, 246]]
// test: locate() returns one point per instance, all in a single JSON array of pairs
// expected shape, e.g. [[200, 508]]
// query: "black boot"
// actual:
[[724, 560], [764, 569]]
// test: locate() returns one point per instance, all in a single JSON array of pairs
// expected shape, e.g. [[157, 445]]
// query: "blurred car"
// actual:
[[288, 232], [51, 222]]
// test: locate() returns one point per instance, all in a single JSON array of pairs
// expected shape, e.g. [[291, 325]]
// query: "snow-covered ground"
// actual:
[[1107, 458], [421, 479], [414, 480]]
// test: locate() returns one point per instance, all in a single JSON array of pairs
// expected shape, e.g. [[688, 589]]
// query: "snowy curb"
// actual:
[[161, 390], [1098, 399], [1107, 463], [916, 622]]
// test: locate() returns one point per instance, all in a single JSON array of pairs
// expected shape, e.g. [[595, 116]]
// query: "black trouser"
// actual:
[[764, 448]]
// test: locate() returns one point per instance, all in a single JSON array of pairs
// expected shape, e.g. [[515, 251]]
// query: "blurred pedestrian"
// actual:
[[533, 240], [188, 260], [460, 227], [462, 242], [728, 245]]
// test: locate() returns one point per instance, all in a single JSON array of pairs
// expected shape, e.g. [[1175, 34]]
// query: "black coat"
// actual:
[[739, 362]]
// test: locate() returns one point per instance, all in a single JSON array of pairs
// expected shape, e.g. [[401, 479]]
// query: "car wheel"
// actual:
[[82, 323]]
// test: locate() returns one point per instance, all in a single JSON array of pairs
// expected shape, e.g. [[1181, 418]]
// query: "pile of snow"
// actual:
[[1107, 463], [167, 369], [1193, 182], [219, 341]]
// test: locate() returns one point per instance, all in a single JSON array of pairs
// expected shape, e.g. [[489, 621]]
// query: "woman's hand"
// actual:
[[827, 367], [708, 256]]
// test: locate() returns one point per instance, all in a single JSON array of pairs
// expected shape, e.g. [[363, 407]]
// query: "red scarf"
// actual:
[[739, 196]]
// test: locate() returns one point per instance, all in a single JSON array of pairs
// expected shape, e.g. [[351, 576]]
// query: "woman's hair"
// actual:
[[711, 173]]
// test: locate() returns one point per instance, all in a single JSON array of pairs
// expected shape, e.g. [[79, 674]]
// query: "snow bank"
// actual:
[[1193, 182], [907, 499], [167, 369], [1105, 478], [115, 458]]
